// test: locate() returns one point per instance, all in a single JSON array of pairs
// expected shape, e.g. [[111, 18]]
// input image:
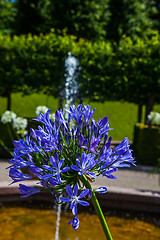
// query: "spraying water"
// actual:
[[71, 90], [58, 222], [71, 86]]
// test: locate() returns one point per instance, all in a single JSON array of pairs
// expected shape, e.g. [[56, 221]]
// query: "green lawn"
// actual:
[[122, 115]]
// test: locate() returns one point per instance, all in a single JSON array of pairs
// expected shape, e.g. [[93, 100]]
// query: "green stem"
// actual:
[[10, 132], [98, 209], [6, 148]]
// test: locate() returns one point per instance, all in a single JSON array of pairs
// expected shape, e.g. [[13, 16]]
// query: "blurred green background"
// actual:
[[117, 44]]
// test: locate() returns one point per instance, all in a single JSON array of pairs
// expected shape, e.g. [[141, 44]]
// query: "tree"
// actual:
[[82, 18], [139, 71], [133, 18], [11, 75]]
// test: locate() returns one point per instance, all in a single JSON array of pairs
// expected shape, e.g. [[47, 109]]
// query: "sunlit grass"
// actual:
[[122, 115], [25, 106]]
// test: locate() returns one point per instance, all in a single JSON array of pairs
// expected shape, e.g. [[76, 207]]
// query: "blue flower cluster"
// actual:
[[59, 154]]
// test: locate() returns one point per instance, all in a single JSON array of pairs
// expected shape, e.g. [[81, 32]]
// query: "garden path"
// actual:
[[138, 178]]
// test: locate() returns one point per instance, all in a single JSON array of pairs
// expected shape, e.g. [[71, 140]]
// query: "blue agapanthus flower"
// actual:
[[64, 153], [74, 199]]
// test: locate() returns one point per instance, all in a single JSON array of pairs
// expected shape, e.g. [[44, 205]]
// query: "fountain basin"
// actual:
[[130, 215], [116, 198], [39, 224]]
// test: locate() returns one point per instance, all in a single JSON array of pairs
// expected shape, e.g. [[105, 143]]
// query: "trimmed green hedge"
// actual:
[[146, 144], [32, 63]]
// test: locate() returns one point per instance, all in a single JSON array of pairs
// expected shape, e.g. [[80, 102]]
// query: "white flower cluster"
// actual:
[[43, 110], [154, 117], [8, 117], [18, 123]]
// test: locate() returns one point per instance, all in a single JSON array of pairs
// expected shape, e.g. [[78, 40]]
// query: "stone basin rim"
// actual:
[[115, 198]]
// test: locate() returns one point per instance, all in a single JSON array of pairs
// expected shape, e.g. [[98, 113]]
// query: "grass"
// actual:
[[122, 115]]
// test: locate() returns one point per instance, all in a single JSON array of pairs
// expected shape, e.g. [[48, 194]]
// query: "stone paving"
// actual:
[[138, 178], [134, 189]]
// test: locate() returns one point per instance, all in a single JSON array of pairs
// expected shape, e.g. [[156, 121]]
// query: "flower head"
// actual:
[[85, 165], [64, 153], [55, 168], [8, 117], [19, 124]]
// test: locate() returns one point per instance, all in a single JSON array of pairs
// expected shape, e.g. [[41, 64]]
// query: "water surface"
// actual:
[[18, 223]]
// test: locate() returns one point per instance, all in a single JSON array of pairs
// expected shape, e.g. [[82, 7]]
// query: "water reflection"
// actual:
[[34, 224]]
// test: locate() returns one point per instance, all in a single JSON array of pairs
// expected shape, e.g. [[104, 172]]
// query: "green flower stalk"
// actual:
[[98, 210]]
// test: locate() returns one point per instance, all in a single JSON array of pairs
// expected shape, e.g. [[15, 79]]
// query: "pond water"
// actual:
[[20, 223]]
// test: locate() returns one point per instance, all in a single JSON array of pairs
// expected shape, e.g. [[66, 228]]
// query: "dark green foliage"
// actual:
[[93, 20], [156, 16], [32, 63], [28, 18], [11, 73], [146, 145], [137, 71], [82, 18], [7, 16], [36, 63], [8, 135], [134, 18]]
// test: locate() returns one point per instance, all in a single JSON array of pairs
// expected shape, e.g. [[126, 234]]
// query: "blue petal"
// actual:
[[53, 162], [75, 223], [47, 176], [65, 169], [83, 203], [83, 193], [65, 199], [47, 167], [69, 190], [75, 190], [53, 182], [101, 190], [75, 168], [74, 209]]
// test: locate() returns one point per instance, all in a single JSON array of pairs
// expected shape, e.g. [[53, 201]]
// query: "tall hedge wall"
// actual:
[[130, 72], [146, 144], [36, 62]]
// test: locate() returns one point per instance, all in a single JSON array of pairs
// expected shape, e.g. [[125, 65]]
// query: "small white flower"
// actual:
[[154, 117], [20, 123], [157, 119], [22, 132], [8, 117], [41, 109], [151, 116]]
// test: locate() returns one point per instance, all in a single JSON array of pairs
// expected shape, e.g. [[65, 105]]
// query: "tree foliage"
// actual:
[[137, 73], [133, 18], [7, 16], [83, 18], [28, 18], [93, 20]]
